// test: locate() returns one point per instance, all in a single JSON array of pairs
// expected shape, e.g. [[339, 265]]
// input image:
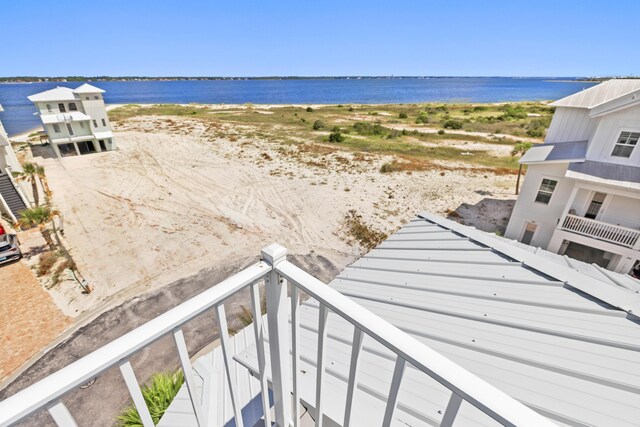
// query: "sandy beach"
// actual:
[[172, 200]]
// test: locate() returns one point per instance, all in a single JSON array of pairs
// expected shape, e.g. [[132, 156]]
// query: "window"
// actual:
[[104, 122], [546, 190], [86, 97], [81, 124], [61, 108], [49, 107], [72, 106], [70, 129], [95, 124], [56, 128], [96, 97], [625, 144]]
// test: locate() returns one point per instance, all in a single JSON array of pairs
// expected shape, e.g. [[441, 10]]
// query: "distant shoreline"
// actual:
[[80, 79]]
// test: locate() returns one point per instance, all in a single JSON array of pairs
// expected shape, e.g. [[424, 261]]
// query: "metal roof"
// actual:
[[599, 94], [605, 173], [57, 94], [560, 350], [552, 333], [87, 88], [592, 270], [556, 152], [64, 93]]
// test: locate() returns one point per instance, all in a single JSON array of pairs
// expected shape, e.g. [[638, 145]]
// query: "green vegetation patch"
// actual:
[[409, 130], [158, 396]]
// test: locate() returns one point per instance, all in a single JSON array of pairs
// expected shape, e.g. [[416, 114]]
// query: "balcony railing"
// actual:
[[601, 230], [275, 271]]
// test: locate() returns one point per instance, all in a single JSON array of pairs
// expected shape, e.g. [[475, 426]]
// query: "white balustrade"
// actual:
[[601, 230], [276, 272]]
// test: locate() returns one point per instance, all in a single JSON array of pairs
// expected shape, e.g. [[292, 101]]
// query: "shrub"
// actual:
[[519, 148], [452, 124], [350, 108], [318, 124], [535, 132], [441, 132], [512, 113], [389, 167], [361, 232], [336, 135], [422, 118], [538, 127], [309, 110], [47, 260], [158, 395], [402, 115], [394, 133], [368, 129]]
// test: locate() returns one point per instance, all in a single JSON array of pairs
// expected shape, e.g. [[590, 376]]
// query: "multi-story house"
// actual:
[[75, 120], [581, 194], [12, 197]]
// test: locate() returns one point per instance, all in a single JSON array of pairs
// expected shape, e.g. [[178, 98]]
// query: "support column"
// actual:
[[567, 207], [56, 150], [75, 145], [278, 325]]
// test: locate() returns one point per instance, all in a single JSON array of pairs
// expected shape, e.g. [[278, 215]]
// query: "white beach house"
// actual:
[[12, 197], [75, 120], [440, 325], [581, 194]]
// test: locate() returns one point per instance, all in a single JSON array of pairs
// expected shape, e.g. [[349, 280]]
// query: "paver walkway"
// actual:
[[29, 320]]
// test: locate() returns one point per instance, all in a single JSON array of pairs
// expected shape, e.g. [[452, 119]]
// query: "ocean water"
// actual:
[[19, 115]]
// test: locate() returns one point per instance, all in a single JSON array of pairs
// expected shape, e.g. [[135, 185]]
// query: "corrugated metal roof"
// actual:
[[87, 88], [556, 152], [608, 170], [544, 330], [559, 350], [591, 270], [599, 94], [56, 94], [62, 93]]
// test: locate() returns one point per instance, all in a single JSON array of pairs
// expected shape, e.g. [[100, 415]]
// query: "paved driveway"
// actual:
[[99, 404], [29, 320]]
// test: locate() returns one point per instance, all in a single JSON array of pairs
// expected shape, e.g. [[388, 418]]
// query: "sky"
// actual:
[[319, 38]]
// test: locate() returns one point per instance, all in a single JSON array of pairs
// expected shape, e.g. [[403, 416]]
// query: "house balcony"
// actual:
[[282, 374], [600, 230], [78, 136]]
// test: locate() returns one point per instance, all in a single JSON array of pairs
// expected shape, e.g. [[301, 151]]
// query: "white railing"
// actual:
[[275, 270], [601, 230]]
